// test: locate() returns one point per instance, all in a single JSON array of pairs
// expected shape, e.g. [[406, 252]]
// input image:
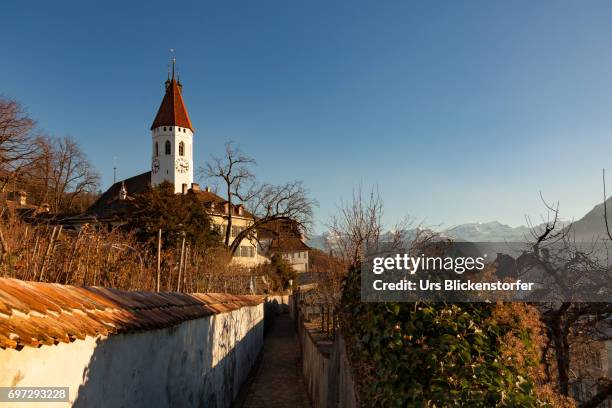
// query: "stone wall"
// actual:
[[325, 367], [200, 362], [115, 348], [315, 367], [341, 392]]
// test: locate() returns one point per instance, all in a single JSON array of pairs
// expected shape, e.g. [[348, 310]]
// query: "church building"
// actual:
[[172, 141]]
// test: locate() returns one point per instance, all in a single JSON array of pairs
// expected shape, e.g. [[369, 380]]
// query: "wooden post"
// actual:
[[47, 252], [178, 286], [322, 319], [186, 281], [333, 323], [196, 270], [73, 256], [4, 247], [158, 258]]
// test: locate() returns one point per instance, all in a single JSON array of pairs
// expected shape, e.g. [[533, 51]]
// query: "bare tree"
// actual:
[[264, 202], [71, 175], [40, 170], [358, 228], [233, 169], [17, 144], [569, 324], [268, 203]]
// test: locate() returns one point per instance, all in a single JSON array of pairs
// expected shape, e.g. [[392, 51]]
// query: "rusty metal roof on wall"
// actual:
[[35, 313]]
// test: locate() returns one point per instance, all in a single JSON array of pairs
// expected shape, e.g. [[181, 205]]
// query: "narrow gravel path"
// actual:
[[276, 381]]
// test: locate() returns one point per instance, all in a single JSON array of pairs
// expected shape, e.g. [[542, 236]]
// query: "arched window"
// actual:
[[156, 149], [181, 149], [168, 148]]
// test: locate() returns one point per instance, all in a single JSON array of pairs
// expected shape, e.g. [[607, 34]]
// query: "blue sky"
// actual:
[[458, 111]]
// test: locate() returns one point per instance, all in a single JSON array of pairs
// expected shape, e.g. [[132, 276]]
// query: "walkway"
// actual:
[[277, 382]]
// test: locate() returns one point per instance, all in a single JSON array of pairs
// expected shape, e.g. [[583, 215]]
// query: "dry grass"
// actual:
[[98, 257]]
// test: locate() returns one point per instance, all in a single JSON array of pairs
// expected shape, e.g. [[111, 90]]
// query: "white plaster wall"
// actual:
[[50, 366], [239, 221], [167, 169], [341, 378], [298, 260], [282, 300], [328, 374], [315, 367], [198, 363]]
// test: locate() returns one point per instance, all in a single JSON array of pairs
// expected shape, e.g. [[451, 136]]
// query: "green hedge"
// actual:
[[441, 355]]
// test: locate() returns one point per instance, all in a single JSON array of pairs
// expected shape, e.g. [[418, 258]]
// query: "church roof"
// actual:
[[109, 205], [108, 202], [172, 111]]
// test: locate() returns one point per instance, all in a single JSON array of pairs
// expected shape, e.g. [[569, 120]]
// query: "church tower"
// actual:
[[172, 137]]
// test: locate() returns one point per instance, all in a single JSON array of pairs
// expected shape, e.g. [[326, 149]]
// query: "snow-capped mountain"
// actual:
[[493, 231]]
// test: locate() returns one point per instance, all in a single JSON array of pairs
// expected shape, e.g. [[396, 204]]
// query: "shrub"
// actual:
[[443, 355], [281, 272]]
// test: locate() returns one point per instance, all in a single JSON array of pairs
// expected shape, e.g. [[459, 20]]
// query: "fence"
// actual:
[[320, 318]]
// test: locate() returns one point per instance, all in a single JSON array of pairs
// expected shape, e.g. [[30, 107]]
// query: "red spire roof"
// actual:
[[172, 111]]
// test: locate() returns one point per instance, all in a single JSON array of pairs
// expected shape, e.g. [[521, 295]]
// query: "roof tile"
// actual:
[[35, 313], [172, 111]]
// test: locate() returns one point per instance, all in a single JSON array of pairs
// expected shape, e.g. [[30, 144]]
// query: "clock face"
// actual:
[[155, 166], [182, 165]]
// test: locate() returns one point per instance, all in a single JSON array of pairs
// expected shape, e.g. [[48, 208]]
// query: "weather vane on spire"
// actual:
[[173, 59]]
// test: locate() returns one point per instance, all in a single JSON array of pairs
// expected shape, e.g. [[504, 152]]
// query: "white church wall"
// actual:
[[167, 164]]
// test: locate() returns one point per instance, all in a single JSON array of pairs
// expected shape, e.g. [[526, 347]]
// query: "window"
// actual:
[[181, 149], [170, 129], [247, 251], [156, 149], [164, 128], [168, 147], [236, 230]]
